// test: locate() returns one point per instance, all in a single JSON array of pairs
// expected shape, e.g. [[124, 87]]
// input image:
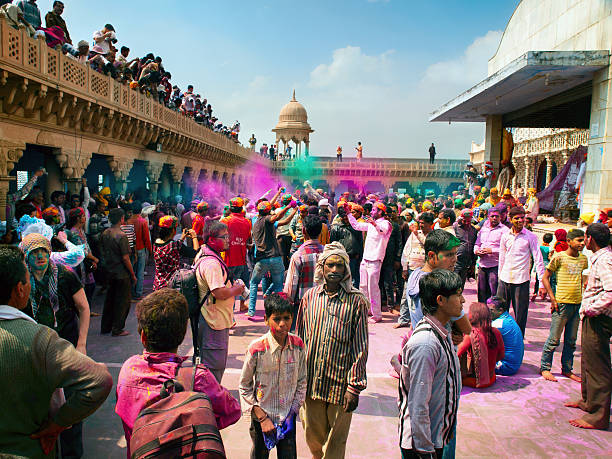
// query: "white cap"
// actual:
[[323, 202]]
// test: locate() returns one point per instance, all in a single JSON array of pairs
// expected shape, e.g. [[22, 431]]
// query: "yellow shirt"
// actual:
[[219, 314], [569, 276]]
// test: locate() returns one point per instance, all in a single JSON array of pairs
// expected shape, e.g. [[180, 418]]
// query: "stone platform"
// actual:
[[521, 416]]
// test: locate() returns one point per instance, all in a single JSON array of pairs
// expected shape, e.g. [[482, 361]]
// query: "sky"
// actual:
[[365, 70]]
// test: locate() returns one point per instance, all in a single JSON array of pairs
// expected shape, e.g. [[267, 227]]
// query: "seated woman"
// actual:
[[162, 324], [481, 349], [167, 251]]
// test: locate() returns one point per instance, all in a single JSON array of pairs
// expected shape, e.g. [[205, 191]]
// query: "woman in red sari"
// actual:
[[481, 349]]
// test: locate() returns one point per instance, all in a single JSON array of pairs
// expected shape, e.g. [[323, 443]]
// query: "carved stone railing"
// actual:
[[380, 167], [41, 83]]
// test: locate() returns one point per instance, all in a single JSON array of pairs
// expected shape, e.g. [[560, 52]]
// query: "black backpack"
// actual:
[[184, 281]]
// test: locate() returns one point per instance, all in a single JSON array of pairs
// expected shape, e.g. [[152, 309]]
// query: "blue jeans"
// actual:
[[277, 270], [566, 316], [141, 261], [404, 315]]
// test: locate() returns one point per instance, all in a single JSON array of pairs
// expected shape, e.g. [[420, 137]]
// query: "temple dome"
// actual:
[[293, 116]]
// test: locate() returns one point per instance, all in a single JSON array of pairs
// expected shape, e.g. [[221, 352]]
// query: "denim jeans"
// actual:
[[565, 317], [354, 265], [141, 262], [277, 270], [404, 314]]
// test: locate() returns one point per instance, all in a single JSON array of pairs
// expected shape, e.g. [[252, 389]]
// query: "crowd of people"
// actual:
[[328, 269], [146, 74]]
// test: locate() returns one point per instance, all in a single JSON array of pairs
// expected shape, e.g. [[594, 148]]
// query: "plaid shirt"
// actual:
[[335, 331], [300, 276], [597, 297]]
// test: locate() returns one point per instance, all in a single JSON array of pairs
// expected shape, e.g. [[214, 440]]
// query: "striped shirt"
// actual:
[[430, 367], [129, 231], [335, 331], [300, 275], [569, 276], [597, 298], [274, 378]]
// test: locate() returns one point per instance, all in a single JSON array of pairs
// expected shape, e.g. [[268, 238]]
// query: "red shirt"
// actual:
[[239, 230], [141, 228]]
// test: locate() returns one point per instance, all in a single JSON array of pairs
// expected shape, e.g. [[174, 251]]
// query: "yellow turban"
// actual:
[[588, 217]]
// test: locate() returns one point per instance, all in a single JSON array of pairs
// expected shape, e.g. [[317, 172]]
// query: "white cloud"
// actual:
[[378, 99]]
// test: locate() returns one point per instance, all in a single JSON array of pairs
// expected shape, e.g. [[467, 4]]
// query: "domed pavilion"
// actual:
[[293, 127]]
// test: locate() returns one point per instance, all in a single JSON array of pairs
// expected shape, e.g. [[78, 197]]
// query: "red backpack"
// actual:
[[181, 424]]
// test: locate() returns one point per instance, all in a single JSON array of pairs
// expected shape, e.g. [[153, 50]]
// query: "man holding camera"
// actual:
[[105, 39]]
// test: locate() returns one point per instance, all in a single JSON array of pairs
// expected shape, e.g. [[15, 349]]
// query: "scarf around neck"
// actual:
[[51, 292]]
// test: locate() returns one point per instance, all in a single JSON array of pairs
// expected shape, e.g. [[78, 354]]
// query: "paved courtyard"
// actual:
[[520, 416]]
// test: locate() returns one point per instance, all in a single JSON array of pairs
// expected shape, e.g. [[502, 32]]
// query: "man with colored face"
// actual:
[[487, 248], [378, 233], [332, 321], [517, 246], [57, 300]]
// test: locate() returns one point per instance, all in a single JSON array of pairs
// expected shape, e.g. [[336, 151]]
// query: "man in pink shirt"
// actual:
[[487, 248], [516, 248], [378, 234]]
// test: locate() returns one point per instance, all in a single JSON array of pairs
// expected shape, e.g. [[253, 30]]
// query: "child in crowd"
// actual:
[[545, 251], [430, 378], [564, 304], [273, 382], [162, 323]]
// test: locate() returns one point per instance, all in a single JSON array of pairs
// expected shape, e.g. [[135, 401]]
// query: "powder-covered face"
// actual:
[[333, 269], [38, 260]]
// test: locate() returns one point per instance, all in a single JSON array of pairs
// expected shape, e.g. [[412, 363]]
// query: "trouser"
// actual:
[[214, 345], [326, 428], [284, 244], [285, 448], [240, 272], [518, 295], [487, 283], [354, 267], [432, 158], [116, 305], [566, 316], [277, 270], [387, 279], [404, 315], [71, 440], [462, 268], [141, 262], [596, 370], [369, 275], [89, 291], [412, 454]]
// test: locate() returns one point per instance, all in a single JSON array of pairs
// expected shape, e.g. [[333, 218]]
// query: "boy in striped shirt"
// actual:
[[564, 305]]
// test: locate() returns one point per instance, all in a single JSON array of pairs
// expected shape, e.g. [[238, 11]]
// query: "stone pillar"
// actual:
[[177, 171], [493, 141], [549, 164], [73, 165], [10, 154], [598, 178], [514, 179], [153, 172], [526, 183], [121, 168], [307, 149]]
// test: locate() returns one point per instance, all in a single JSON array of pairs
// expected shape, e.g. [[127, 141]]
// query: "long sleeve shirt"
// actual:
[[335, 331], [377, 237], [490, 238], [35, 362], [300, 275], [597, 297], [274, 377], [30, 12], [53, 19], [515, 252], [142, 377], [430, 384], [413, 255], [141, 229]]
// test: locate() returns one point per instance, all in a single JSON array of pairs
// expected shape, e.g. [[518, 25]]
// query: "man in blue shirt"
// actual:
[[30, 12], [511, 334]]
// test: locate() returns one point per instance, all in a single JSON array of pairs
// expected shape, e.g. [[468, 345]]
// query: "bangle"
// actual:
[[262, 419]]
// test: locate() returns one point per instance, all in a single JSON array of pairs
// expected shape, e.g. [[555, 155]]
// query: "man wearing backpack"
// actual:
[[218, 290]]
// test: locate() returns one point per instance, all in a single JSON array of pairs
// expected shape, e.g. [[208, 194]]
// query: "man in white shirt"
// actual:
[[105, 38], [516, 248], [378, 234]]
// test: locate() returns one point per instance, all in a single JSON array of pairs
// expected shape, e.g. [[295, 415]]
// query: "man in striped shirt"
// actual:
[[596, 315], [332, 321], [300, 276]]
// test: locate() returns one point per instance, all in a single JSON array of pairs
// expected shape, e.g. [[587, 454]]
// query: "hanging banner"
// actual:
[[561, 191]]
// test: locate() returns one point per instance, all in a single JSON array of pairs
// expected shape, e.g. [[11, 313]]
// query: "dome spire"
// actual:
[[293, 100]]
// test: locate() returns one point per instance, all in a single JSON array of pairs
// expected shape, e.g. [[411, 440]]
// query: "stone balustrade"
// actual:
[[40, 83]]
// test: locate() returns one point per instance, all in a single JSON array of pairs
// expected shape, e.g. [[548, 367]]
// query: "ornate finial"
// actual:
[[293, 100]]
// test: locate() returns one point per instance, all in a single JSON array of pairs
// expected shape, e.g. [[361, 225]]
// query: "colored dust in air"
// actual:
[[217, 192]]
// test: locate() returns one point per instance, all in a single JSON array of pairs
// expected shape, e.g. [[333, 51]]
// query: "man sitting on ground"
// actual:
[[511, 334]]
